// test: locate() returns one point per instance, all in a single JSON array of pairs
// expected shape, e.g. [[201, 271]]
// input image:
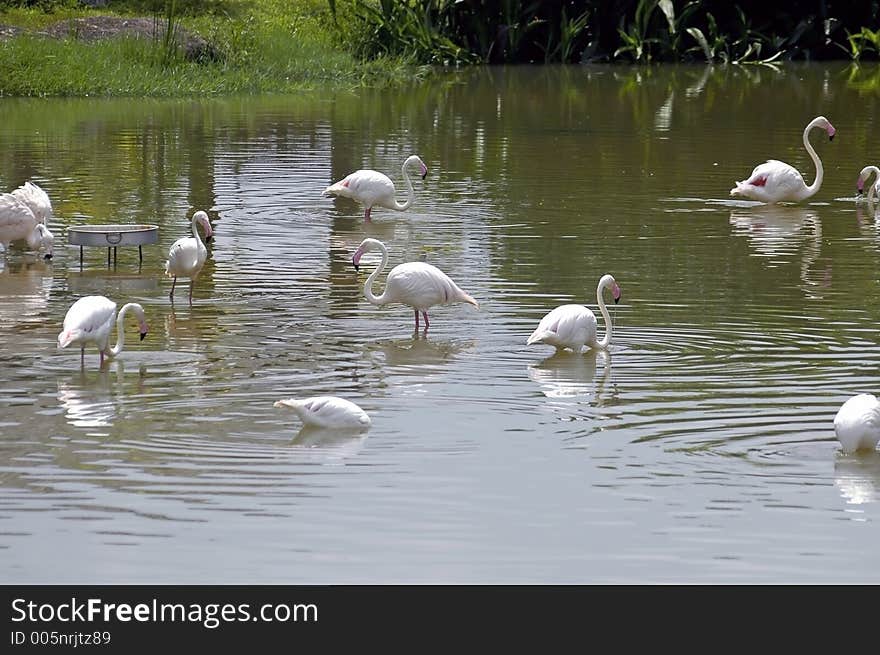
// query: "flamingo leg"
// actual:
[[416, 311], [101, 363], [82, 356], [192, 283], [427, 325], [172, 287], [367, 214]]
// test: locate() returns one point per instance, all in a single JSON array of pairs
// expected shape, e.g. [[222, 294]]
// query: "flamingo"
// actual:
[[374, 188], [90, 319], [416, 284], [37, 199], [873, 189], [188, 254], [574, 326], [18, 221], [327, 412], [775, 181], [857, 423]]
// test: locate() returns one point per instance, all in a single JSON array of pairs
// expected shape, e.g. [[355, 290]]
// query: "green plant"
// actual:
[[863, 41], [569, 30]]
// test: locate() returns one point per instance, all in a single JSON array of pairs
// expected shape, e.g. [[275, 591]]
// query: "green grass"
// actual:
[[267, 46]]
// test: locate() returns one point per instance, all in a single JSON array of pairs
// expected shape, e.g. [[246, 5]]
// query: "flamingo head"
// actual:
[[825, 124], [608, 281], [415, 159], [142, 326], [863, 175], [366, 246], [41, 237], [202, 218]]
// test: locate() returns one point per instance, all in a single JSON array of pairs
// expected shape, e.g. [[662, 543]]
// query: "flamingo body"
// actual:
[[372, 188], [187, 255], [89, 321], [328, 412], [575, 326], [857, 423], [37, 199], [417, 284], [19, 222], [775, 181]]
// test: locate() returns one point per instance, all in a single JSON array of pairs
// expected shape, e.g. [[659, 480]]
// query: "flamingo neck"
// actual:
[[120, 326], [195, 229], [873, 186], [820, 172], [411, 194], [368, 285], [606, 340]]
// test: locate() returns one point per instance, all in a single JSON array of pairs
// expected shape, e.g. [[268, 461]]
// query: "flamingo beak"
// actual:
[[356, 260], [143, 334], [616, 293], [424, 173], [48, 255]]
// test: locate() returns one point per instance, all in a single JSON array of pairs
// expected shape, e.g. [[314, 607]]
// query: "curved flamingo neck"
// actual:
[[820, 172], [873, 187], [368, 285], [195, 229], [606, 340], [411, 194], [120, 326]]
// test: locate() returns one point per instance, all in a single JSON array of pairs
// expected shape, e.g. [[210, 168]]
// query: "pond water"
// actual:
[[700, 449]]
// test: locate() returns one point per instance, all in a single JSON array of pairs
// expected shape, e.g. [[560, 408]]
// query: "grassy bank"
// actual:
[[260, 46], [283, 46]]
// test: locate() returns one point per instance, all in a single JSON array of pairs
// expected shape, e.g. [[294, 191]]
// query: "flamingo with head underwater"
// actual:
[[372, 188], [417, 284], [187, 255], [90, 319], [327, 412], [575, 326], [857, 423], [775, 181]]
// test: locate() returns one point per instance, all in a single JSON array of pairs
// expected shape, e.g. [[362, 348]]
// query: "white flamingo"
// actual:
[[873, 188], [37, 199], [19, 222], [327, 412], [416, 284], [371, 187], [187, 255], [857, 423], [775, 181], [574, 326], [90, 319]]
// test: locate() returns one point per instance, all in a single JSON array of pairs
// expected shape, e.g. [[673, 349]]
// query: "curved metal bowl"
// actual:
[[113, 235]]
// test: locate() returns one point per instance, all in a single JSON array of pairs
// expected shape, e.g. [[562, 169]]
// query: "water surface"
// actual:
[[699, 449]]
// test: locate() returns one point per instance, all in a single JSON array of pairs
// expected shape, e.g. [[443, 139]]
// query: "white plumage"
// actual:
[[37, 199], [417, 284], [373, 188], [775, 181], [574, 326], [857, 423], [20, 222], [874, 188], [89, 321], [187, 255], [327, 412]]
